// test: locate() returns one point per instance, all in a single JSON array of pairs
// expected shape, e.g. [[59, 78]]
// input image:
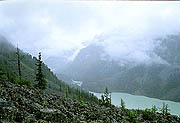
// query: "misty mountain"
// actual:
[[9, 62], [155, 79], [90, 65], [59, 62], [8, 65]]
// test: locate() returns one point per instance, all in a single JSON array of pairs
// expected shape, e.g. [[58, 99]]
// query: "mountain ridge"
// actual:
[[155, 79]]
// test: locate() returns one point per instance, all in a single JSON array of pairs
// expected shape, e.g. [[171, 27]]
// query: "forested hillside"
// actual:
[[9, 71]]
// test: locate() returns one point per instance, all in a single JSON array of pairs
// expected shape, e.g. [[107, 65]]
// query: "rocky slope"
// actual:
[[24, 104]]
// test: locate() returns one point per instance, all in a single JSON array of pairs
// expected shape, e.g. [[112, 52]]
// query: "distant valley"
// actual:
[[157, 79]]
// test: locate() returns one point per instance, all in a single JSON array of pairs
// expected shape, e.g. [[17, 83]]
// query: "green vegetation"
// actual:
[[24, 82], [132, 116], [3, 75], [165, 110], [79, 94], [151, 114], [9, 71], [26, 105], [106, 98], [82, 104], [154, 109], [148, 115], [19, 63], [25, 71], [67, 92], [42, 83], [123, 104]]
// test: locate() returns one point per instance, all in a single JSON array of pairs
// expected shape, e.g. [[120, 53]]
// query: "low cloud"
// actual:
[[128, 29]]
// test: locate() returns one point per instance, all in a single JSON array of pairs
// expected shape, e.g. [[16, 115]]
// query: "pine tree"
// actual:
[[79, 94], [106, 98], [67, 92], [19, 64], [42, 83], [164, 110], [123, 104], [106, 95]]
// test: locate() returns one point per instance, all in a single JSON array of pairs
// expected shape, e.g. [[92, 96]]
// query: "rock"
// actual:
[[2, 102], [38, 106], [48, 110], [29, 105], [83, 122]]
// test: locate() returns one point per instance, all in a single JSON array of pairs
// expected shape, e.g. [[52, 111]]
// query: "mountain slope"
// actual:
[[8, 65], [154, 79], [9, 62], [24, 104]]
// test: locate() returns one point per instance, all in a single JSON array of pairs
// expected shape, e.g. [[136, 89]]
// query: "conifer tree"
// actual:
[[106, 95], [19, 64], [79, 94], [106, 98], [42, 83], [164, 110], [123, 104], [67, 92]]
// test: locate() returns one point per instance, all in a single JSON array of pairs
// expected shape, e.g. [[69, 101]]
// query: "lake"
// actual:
[[141, 102]]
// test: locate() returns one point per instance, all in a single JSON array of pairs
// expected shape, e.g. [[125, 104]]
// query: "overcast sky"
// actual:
[[53, 26]]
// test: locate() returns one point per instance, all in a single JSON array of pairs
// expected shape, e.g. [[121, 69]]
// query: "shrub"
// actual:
[[132, 116], [3, 75], [24, 82], [82, 104], [123, 104], [154, 109], [165, 110], [148, 115]]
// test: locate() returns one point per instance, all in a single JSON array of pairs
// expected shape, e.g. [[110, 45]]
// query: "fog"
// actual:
[[126, 30]]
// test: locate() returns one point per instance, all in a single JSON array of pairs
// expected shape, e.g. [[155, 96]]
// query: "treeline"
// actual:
[[24, 69]]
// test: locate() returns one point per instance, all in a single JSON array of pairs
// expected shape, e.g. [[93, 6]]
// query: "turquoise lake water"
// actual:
[[141, 102]]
